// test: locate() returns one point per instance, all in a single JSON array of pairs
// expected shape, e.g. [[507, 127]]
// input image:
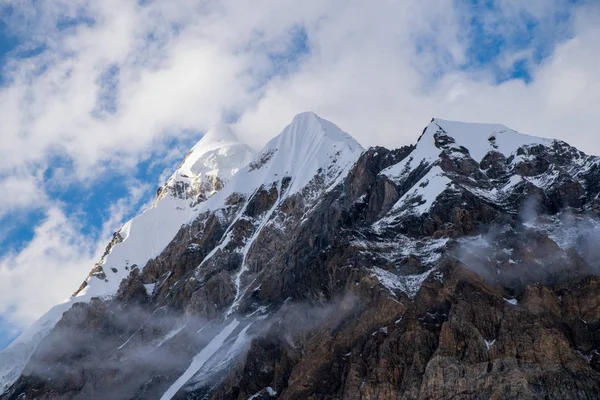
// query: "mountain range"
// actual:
[[465, 266]]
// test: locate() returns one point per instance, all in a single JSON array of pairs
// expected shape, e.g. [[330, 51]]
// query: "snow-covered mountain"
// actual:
[[206, 168], [459, 267], [217, 157]]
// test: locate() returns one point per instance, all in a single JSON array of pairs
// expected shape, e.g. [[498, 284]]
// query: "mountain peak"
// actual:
[[217, 156], [308, 126], [478, 138], [219, 140], [306, 115], [490, 161], [309, 149], [217, 136], [310, 144]]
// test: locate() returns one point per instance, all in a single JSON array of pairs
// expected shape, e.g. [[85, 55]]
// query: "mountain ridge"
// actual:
[[386, 238]]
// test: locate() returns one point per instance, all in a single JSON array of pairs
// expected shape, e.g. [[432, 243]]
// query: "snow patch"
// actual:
[[170, 335], [424, 192], [200, 359], [480, 139], [147, 236], [270, 391], [513, 302], [223, 358], [489, 343], [409, 284], [149, 288]]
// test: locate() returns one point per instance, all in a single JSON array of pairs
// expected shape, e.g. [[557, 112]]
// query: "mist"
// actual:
[[535, 247], [106, 349]]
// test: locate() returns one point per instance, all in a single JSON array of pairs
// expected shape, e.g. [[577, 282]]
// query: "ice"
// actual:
[[513, 302], [489, 343], [270, 391], [200, 359], [424, 192], [409, 284], [149, 288], [308, 146]]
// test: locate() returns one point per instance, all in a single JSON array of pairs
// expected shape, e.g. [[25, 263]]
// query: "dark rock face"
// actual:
[[458, 339], [345, 292]]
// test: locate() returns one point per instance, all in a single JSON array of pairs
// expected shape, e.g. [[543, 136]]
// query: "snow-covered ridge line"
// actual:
[[308, 146], [478, 139], [208, 165], [457, 142]]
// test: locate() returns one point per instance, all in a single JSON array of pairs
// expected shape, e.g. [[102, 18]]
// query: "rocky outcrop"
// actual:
[[98, 271], [459, 339]]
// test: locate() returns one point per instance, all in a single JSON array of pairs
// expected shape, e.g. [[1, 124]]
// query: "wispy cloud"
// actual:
[[45, 271], [57, 259]]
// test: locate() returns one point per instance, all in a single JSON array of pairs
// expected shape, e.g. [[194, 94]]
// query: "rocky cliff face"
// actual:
[[462, 267]]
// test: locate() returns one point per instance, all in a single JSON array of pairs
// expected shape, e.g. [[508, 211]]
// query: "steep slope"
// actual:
[[461, 267], [463, 179], [320, 153], [489, 160], [210, 163], [274, 192]]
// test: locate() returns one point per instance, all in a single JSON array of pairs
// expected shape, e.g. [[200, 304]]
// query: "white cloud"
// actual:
[[380, 70], [380, 96], [369, 69], [46, 272], [56, 261], [20, 191]]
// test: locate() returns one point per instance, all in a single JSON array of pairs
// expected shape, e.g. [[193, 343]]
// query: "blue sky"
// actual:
[[525, 33], [109, 102], [17, 234]]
